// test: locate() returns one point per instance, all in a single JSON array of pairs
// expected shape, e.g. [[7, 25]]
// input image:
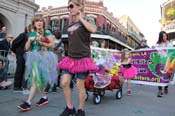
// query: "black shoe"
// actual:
[[24, 107], [160, 93], [80, 113], [47, 88], [17, 89], [68, 112], [54, 88], [42, 102]]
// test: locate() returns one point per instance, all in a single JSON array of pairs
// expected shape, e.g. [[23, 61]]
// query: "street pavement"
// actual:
[[142, 102]]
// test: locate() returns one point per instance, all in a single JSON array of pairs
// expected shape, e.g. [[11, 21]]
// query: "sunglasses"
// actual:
[[71, 6]]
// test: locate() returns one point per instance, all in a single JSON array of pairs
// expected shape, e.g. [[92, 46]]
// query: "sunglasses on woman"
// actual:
[[71, 6]]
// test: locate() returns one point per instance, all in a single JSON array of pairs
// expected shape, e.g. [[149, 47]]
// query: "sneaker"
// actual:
[[24, 107], [42, 102], [68, 112], [80, 113], [160, 93], [166, 91], [129, 92]]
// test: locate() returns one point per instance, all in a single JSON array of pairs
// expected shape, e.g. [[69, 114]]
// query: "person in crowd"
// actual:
[[103, 44], [78, 63], [94, 43], [143, 45], [3, 33], [58, 49], [163, 42], [128, 70], [40, 62], [5, 45], [18, 47], [3, 74]]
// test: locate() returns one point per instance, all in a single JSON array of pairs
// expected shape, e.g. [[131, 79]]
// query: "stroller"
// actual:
[[101, 81]]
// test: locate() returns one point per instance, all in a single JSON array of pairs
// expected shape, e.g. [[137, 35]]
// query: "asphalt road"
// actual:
[[142, 102]]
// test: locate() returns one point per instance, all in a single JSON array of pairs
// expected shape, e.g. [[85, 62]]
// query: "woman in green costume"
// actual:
[[40, 62]]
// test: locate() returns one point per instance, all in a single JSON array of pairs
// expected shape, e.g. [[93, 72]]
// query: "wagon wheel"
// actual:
[[97, 99], [119, 94]]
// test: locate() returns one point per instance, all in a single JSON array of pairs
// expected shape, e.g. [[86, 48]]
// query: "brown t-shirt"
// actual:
[[79, 40]]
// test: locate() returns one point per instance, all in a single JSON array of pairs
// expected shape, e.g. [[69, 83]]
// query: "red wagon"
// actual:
[[98, 93]]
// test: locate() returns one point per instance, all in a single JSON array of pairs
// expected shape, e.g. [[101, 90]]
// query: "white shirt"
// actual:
[[168, 44]]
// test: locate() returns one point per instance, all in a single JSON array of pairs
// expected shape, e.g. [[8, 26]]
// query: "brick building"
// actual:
[[109, 27]]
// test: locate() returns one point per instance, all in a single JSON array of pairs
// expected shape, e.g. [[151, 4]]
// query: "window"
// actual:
[[54, 25]]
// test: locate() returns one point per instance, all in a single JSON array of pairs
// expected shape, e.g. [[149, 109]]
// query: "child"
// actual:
[[128, 70]]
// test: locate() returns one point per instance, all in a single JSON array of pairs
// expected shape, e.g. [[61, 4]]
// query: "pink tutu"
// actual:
[[77, 65], [129, 73]]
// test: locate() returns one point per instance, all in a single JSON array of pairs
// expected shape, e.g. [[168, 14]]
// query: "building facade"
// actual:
[[109, 27], [16, 14], [134, 34], [168, 19]]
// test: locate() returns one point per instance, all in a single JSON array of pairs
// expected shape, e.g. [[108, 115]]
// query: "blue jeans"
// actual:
[[78, 75]]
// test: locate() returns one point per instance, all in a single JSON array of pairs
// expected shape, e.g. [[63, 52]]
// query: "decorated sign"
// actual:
[[154, 66]]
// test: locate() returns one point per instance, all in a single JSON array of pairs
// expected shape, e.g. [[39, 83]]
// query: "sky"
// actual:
[[144, 13]]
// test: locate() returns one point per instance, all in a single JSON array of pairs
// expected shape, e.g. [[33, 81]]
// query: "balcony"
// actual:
[[134, 36], [116, 35]]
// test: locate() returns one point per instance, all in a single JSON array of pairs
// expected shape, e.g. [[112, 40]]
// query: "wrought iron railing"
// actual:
[[116, 35]]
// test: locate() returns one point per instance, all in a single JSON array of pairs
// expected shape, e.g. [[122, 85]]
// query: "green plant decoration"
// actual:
[[170, 12]]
